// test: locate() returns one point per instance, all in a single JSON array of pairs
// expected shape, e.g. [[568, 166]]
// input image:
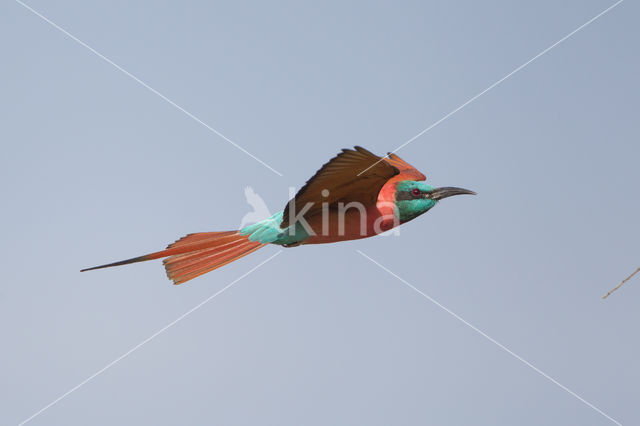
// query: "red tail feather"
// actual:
[[197, 254], [184, 267]]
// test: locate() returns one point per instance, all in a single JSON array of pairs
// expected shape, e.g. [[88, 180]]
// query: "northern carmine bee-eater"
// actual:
[[355, 195]]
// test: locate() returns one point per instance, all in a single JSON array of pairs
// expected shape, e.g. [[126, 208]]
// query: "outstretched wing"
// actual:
[[340, 178]]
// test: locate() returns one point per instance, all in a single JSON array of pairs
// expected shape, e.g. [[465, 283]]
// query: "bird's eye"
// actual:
[[415, 192]]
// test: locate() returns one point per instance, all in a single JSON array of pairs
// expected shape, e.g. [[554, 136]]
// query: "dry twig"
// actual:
[[620, 285]]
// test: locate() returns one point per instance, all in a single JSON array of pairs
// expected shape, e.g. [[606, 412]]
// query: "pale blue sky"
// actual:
[[96, 168]]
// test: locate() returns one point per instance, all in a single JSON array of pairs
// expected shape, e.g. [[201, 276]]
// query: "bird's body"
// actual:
[[355, 195]]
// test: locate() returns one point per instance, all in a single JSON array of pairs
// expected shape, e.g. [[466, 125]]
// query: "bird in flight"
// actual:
[[354, 195]]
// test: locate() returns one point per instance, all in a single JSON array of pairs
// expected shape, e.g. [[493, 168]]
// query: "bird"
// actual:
[[356, 194]]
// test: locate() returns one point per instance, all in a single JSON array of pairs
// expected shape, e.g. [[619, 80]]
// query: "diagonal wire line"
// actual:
[[127, 73], [492, 340], [144, 342], [496, 83]]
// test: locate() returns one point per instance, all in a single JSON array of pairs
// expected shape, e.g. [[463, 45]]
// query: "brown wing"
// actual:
[[340, 177]]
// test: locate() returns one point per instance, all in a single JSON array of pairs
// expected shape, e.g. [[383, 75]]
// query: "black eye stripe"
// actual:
[[406, 195]]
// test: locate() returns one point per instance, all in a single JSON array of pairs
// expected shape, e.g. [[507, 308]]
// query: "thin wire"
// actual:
[[127, 73], [496, 83], [494, 341], [145, 341]]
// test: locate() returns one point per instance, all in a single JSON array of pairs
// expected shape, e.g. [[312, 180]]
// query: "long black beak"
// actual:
[[448, 191]]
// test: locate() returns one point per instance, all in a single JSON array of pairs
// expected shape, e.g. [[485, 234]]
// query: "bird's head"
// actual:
[[414, 198]]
